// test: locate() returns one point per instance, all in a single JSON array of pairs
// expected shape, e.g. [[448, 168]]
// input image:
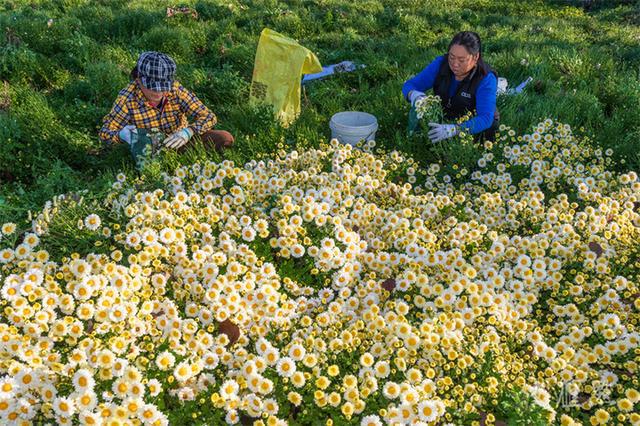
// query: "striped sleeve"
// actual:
[[116, 120], [203, 118]]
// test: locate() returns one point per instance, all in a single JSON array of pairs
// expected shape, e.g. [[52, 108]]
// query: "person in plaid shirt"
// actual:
[[154, 99]]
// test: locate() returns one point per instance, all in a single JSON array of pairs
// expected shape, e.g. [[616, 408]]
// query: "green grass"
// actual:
[[64, 61]]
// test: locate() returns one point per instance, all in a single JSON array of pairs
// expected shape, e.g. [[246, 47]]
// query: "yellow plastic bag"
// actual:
[[279, 65]]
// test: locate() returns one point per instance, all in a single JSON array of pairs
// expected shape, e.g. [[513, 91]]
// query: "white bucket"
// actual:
[[350, 127]]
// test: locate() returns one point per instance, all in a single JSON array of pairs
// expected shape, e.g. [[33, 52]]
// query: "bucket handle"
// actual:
[[369, 135]]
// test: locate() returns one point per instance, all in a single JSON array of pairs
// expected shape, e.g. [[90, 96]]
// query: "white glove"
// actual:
[[414, 95], [178, 139], [440, 132], [125, 133]]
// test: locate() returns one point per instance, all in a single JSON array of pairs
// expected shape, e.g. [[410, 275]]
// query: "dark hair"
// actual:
[[134, 73], [471, 41], [468, 39]]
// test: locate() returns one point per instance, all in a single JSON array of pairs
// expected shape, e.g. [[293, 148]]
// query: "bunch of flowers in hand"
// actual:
[[429, 110]]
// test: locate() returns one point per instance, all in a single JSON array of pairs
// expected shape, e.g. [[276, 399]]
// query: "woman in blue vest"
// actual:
[[464, 83]]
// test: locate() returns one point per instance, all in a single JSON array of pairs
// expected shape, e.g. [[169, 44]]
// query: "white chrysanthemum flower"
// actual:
[[31, 239], [232, 417], [6, 256], [167, 235], [210, 360], [82, 291], [117, 313], [83, 380], [80, 268], [90, 418], [105, 358], [23, 251], [182, 372], [34, 277], [27, 379], [391, 390], [149, 237], [133, 239], [165, 361], [8, 388], [48, 392], [85, 400], [229, 389], [154, 386], [149, 414], [428, 411], [286, 367], [64, 407], [92, 222], [297, 352], [8, 228], [371, 420], [382, 369]]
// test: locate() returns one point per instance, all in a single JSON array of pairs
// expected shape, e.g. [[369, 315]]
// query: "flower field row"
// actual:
[[337, 286]]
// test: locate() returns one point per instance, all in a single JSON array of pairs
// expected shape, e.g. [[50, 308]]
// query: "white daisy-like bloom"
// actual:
[[8, 388], [27, 379], [33, 277], [186, 394], [64, 407], [149, 237], [232, 417], [6, 255], [120, 366], [85, 400], [133, 239], [83, 380], [92, 222], [286, 367], [121, 387], [90, 418], [271, 356], [409, 396], [391, 390], [167, 235], [608, 378], [117, 313], [404, 414], [253, 403], [371, 420], [270, 406], [427, 410], [149, 414], [210, 360], [165, 361], [31, 239], [23, 251], [229, 389], [82, 291], [182, 372], [48, 392], [382, 369], [297, 352], [297, 250], [8, 228]]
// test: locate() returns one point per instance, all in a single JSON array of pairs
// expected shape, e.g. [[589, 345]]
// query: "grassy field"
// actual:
[[63, 62]]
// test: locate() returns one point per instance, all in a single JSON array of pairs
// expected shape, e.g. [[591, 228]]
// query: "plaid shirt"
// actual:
[[131, 107]]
